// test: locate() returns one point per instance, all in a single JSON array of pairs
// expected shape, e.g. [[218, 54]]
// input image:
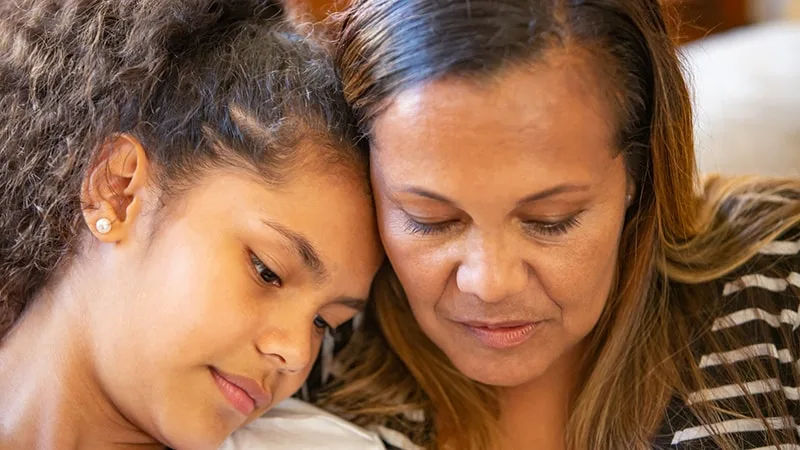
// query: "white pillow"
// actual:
[[296, 425]]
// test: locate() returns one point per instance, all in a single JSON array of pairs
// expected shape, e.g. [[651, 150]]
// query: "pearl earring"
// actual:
[[629, 199], [103, 225]]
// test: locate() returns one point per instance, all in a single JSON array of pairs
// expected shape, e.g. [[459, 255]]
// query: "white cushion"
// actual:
[[746, 89], [295, 425]]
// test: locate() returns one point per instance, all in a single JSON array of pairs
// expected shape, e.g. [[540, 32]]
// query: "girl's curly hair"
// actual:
[[201, 83]]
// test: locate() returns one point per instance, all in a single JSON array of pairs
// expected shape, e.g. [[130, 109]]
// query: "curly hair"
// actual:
[[201, 83]]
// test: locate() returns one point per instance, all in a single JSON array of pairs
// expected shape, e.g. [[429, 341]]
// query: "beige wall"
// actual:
[[794, 10], [761, 10]]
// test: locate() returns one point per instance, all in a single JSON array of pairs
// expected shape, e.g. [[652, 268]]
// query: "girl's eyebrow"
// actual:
[[302, 247]]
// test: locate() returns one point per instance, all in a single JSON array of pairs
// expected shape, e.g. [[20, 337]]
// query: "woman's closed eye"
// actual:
[[551, 229], [265, 273], [416, 226], [537, 227]]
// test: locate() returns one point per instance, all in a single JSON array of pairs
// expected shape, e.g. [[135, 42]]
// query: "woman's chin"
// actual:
[[499, 374]]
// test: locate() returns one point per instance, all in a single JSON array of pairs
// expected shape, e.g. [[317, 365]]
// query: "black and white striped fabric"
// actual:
[[761, 311], [760, 306]]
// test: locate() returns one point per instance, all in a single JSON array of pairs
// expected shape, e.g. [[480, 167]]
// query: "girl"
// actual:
[[184, 216]]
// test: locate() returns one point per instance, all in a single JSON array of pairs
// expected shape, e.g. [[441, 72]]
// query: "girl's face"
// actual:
[[212, 313], [501, 205]]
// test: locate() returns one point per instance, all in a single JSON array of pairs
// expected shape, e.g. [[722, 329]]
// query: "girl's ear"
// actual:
[[112, 189]]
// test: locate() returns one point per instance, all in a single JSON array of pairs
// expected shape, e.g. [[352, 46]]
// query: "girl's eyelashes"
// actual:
[[321, 325], [269, 277], [265, 273]]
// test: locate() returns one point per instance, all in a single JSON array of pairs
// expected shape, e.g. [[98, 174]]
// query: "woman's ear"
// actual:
[[112, 189]]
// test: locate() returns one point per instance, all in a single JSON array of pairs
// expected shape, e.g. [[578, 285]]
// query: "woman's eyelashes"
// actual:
[[415, 226], [542, 228], [552, 229], [265, 273]]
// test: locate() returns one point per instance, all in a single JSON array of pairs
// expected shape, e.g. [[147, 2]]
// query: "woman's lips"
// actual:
[[501, 335]]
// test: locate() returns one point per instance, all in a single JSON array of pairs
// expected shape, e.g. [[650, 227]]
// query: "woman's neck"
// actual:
[[535, 414], [49, 396]]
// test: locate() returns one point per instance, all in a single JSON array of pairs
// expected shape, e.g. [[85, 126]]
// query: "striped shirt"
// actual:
[[759, 308]]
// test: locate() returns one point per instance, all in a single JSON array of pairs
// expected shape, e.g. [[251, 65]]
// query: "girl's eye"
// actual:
[[424, 229], [552, 228], [266, 274], [322, 325]]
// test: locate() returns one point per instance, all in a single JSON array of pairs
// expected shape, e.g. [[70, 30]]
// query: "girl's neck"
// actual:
[[50, 398]]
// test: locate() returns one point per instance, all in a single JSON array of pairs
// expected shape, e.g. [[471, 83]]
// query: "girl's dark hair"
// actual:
[[639, 353], [201, 83]]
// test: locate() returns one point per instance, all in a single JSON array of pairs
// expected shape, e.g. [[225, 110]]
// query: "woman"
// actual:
[[184, 216], [557, 278]]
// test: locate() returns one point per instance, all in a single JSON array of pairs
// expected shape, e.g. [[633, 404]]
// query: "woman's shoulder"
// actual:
[[751, 356], [294, 424], [766, 288], [756, 309]]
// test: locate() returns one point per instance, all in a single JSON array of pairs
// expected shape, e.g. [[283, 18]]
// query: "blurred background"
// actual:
[[742, 62]]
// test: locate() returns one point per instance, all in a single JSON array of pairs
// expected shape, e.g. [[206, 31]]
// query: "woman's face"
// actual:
[[215, 312], [500, 205]]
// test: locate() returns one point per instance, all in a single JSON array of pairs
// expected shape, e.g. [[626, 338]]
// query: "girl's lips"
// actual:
[[243, 393]]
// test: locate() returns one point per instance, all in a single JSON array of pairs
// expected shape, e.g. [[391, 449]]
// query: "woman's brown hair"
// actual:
[[202, 84], [677, 234]]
